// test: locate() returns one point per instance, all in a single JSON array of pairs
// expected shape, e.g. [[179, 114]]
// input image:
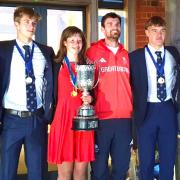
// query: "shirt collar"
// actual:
[[153, 50], [21, 44]]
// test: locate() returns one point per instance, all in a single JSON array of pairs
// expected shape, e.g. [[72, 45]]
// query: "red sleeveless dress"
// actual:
[[65, 144]]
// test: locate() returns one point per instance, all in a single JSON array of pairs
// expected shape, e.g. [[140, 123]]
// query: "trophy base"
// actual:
[[85, 123]]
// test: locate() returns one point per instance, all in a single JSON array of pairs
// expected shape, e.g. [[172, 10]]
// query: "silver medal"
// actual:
[[28, 80], [161, 80]]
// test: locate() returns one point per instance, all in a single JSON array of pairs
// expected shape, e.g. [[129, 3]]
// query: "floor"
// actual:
[[52, 170]]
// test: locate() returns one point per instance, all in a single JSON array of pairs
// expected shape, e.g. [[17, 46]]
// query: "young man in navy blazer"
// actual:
[[26, 91], [154, 76]]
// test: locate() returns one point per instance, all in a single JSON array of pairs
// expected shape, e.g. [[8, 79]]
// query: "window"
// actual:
[[49, 29], [111, 4], [7, 30], [57, 21]]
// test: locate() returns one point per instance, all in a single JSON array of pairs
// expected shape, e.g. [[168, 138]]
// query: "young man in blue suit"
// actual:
[[153, 74], [26, 91]]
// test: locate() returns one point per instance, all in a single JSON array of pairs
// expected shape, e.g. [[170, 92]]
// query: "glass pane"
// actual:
[[57, 21], [7, 29]]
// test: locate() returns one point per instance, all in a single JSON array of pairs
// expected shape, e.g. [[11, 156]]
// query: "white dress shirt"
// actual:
[[15, 95]]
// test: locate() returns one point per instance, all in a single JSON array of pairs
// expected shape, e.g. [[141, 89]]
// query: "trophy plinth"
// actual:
[[86, 118]]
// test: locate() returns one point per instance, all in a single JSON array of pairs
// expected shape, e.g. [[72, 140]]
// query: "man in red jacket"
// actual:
[[113, 102]]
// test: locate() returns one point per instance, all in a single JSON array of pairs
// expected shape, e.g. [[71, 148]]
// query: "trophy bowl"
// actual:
[[85, 118]]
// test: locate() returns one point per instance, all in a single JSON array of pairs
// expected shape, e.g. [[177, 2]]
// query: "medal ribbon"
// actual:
[[160, 70], [72, 75], [28, 64]]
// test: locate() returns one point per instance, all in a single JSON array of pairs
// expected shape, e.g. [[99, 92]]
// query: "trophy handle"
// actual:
[[97, 77]]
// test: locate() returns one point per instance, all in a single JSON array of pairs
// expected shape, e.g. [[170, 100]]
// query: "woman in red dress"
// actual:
[[70, 150]]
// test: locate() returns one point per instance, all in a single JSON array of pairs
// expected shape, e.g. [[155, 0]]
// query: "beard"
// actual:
[[114, 35]]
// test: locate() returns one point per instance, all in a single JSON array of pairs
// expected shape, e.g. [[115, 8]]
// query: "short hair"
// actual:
[[110, 15], [20, 11], [155, 21]]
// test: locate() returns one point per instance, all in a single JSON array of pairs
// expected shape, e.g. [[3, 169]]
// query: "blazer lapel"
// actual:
[[143, 69]]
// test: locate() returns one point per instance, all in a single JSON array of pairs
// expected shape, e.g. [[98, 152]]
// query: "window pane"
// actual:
[[7, 29], [57, 21]]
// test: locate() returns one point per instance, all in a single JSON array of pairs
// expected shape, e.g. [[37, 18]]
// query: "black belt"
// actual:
[[22, 114], [162, 102]]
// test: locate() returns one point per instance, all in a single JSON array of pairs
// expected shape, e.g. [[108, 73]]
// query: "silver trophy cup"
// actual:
[[85, 118]]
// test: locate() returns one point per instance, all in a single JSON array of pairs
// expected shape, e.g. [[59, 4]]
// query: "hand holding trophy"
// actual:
[[86, 118]]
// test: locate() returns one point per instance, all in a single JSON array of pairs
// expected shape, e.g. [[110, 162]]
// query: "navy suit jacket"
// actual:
[[139, 82], [6, 51]]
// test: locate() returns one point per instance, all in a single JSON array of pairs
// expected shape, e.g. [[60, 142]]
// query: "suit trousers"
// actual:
[[30, 132], [158, 130], [113, 138]]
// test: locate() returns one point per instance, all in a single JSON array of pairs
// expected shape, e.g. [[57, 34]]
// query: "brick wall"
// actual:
[[144, 10]]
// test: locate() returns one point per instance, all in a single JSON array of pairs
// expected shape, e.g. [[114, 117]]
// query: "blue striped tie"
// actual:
[[30, 85], [161, 83]]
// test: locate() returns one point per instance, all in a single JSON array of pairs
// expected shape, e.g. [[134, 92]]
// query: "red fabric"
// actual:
[[113, 93], [64, 143]]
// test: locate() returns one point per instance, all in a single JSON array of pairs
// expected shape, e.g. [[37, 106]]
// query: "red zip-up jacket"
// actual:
[[113, 92]]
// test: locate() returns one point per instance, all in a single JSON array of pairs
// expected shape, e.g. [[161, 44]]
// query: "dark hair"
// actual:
[[110, 15], [20, 11], [68, 32], [155, 21]]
